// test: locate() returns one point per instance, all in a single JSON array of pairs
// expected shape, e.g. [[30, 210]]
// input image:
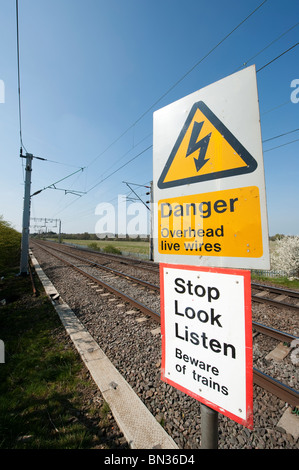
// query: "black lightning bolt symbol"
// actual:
[[201, 145]]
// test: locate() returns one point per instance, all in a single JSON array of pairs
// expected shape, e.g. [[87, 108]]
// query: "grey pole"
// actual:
[[26, 217], [59, 235], [209, 427], [152, 228]]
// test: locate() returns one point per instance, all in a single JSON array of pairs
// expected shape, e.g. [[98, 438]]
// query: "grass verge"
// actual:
[[47, 398], [278, 281], [120, 245]]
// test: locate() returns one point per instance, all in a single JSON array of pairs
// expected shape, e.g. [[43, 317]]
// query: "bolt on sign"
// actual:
[[207, 337], [209, 188]]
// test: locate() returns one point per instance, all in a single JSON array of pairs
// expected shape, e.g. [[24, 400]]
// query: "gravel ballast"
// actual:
[[132, 342]]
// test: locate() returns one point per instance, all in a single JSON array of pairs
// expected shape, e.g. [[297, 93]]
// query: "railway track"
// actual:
[[124, 260], [261, 379], [280, 296], [261, 297], [279, 335]]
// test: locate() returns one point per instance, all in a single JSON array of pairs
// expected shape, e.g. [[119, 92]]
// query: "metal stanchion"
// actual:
[[209, 427]]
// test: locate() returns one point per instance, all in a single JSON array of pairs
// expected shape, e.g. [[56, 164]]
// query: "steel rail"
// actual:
[[275, 303], [277, 334], [270, 384], [277, 388], [276, 290]]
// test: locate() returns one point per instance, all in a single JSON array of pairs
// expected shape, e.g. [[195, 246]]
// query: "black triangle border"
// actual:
[[229, 137]]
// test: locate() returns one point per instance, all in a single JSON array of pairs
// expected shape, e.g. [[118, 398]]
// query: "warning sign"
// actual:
[[205, 150], [221, 223], [206, 332], [209, 197]]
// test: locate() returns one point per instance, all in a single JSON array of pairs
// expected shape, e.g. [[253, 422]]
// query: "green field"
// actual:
[[279, 281], [125, 245]]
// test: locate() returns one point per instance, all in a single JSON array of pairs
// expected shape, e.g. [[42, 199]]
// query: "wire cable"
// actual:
[[60, 163], [276, 107], [282, 145], [126, 153], [181, 79], [266, 47], [275, 58], [281, 135], [104, 179], [178, 81], [19, 76], [52, 186], [115, 171]]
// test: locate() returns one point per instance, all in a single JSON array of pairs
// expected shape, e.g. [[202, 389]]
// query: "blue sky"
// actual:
[[90, 70]]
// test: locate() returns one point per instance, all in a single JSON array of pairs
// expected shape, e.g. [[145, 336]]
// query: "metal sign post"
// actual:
[[209, 427]]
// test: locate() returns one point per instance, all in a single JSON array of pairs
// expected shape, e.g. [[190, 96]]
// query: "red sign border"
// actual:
[[248, 421]]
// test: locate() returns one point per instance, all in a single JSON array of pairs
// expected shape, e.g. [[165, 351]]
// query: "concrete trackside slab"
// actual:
[[48, 286], [139, 426], [290, 423]]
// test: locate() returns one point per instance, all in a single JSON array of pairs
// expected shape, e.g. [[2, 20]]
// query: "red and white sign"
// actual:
[[206, 331]]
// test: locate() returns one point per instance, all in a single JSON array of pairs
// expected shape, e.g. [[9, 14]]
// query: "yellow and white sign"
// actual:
[[222, 223], [209, 190]]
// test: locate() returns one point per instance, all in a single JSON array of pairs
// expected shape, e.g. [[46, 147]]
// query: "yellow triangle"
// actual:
[[217, 153]]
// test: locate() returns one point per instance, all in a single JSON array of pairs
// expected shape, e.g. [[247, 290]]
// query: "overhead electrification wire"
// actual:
[[161, 97], [281, 135], [275, 58], [60, 163], [52, 186], [266, 47], [282, 145], [115, 171], [143, 151], [126, 153], [19, 97], [178, 81], [188, 72], [108, 176], [19, 75], [276, 107]]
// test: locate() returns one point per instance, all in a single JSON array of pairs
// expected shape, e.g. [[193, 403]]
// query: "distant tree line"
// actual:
[[278, 236], [93, 236], [86, 236]]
